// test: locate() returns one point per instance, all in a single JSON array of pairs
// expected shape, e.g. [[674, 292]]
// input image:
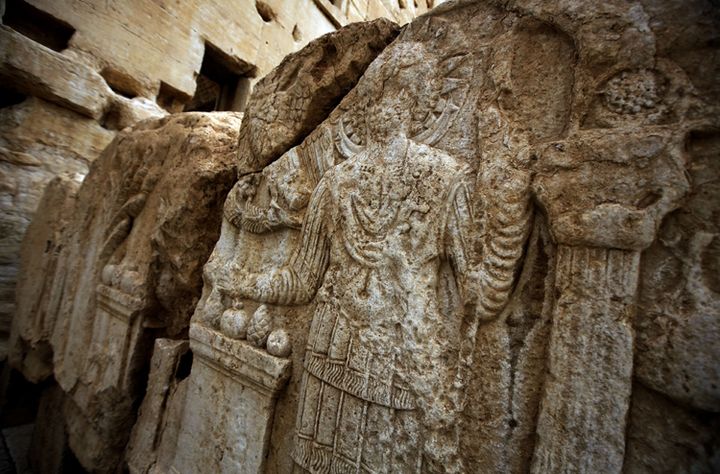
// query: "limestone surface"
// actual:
[[29, 347], [295, 97], [133, 244], [73, 73], [494, 249], [464, 253]]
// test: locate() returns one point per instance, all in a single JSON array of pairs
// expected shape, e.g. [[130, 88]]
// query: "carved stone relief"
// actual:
[[495, 252], [130, 267], [509, 346]]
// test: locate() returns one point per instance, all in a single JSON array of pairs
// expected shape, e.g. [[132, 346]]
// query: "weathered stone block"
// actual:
[[37, 70], [170, 365], [29, 349], [230, 404]]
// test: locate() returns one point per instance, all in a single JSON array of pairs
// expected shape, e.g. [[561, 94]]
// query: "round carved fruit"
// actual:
[[234, 323], [278, 343], [107, 274], [260, 326]]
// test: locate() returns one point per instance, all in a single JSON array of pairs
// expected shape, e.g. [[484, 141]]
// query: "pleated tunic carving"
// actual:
[[375, 234]]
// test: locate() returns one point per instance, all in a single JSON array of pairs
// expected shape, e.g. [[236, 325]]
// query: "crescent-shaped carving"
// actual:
[[345, 145]]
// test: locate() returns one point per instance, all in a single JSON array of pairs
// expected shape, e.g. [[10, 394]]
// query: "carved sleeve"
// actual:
[[458, 230], [486, 281], [506, 223], [299, 279]]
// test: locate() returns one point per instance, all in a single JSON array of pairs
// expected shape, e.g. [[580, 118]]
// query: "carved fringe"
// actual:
[[319, 459], [358, 384]]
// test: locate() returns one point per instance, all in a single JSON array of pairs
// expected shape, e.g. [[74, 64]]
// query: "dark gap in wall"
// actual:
[[265, 11], [20, 400], [37, 25], [111, 119], [222, 84], [184, 366], [170, 98], [70, 464], [120, 83], [10, 97], [296, 33]]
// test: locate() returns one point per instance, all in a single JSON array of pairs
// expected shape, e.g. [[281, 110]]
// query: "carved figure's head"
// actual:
[[407, 72]]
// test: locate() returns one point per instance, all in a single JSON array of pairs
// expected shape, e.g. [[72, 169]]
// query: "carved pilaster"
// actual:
[[116, 333], [587, 392], [604, 194]]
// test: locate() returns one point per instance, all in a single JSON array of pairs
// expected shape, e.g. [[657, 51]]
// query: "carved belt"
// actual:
[[358, 384]]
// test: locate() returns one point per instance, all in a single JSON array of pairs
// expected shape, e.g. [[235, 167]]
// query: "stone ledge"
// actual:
[[118, 304], [39, 71], [260, 370]]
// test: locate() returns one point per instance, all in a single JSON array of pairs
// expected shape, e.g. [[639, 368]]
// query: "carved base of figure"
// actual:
[[229, 405], [339, 432], [99, 411], [117, 336], [581, 427]]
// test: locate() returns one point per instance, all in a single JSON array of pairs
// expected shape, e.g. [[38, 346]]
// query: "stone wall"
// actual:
[[485, 242], [73, 73]]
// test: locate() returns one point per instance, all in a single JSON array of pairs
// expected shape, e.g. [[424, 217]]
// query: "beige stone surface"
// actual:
[[493, 251], [232, 391], [38, 141], [170, 364], [44, 73], [114, 288], [294, 98], [29, 348], [165, 42], [123, 63], [458, 250]]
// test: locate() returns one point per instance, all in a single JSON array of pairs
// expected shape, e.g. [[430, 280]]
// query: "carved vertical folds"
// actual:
[[587, 392]]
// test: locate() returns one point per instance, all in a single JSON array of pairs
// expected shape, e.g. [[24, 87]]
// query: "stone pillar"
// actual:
[[229, 406], [587, 392], [154, 428], [604, 194]]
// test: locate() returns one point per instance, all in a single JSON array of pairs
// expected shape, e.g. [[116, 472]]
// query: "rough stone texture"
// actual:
[[667, 437], [678, 307], [465, 249], [121, 64], [38, 140], [166, 42], [44, 73], [496, 254], [29, 348], [170, 365], [295, 97], [116, 288], [232, 426]]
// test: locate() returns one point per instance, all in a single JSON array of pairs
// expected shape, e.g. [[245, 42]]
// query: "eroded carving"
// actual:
[[448, 271], [376, 232]]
